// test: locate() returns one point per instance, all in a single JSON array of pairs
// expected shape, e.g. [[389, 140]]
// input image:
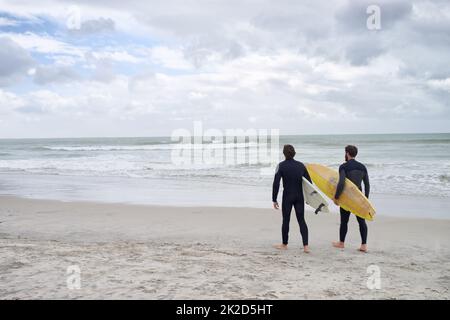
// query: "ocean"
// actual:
[[142, 170]]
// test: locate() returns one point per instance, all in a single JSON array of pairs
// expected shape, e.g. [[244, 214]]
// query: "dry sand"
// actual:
[[150, 252]]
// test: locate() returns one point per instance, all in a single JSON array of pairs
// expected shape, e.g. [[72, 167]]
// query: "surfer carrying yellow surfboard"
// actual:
[[357, 173], [292, 172]]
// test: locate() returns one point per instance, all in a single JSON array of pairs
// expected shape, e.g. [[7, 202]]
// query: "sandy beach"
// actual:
[[154, 252]]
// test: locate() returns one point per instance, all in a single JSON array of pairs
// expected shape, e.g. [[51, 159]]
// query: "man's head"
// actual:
[[350, 152], [288, 151]]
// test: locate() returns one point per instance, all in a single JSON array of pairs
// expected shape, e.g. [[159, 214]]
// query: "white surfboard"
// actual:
[[314, 198]]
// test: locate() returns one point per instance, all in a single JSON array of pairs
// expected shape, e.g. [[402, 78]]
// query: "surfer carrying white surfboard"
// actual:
[[357, 173], [292, 172]]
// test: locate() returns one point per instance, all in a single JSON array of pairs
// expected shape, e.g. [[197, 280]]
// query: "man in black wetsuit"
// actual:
[[292, 172], [357, 173]]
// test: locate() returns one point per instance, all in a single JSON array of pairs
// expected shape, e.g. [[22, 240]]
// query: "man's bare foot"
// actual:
[[339, 245], [363, 248], [280, 246], [306, 249]]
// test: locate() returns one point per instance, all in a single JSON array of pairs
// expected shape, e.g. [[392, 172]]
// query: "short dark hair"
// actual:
[[288, 151], [352, 150]]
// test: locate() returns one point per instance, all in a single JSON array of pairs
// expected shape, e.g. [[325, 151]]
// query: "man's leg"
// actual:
[[345, 216], [363, 232], [286, 207], [300, 213]]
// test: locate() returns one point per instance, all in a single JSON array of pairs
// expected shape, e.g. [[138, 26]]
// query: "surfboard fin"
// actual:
[[319, 208]]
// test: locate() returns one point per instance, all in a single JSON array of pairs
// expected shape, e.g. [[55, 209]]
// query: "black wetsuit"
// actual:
[[292, 172], [357, 173]]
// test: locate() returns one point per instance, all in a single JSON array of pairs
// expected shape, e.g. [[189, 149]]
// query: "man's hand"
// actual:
[[335, 202], [276, 206]]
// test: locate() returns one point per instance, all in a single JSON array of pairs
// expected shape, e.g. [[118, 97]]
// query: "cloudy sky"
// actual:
[[145, 68]]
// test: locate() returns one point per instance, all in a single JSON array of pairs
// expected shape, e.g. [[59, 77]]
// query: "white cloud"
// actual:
[[94, 26], [441, 84], [9, 102], [15, 61], [274, 64], [169, 58], [54, 74], [6, 22], [44, 43], [116, 55]]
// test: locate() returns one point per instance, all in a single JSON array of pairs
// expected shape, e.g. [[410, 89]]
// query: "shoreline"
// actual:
[[159, 252], [387, 205]]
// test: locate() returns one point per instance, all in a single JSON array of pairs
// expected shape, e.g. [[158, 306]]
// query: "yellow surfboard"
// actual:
[[351, 199]]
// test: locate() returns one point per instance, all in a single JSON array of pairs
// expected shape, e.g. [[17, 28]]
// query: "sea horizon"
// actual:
[[284, 135]]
